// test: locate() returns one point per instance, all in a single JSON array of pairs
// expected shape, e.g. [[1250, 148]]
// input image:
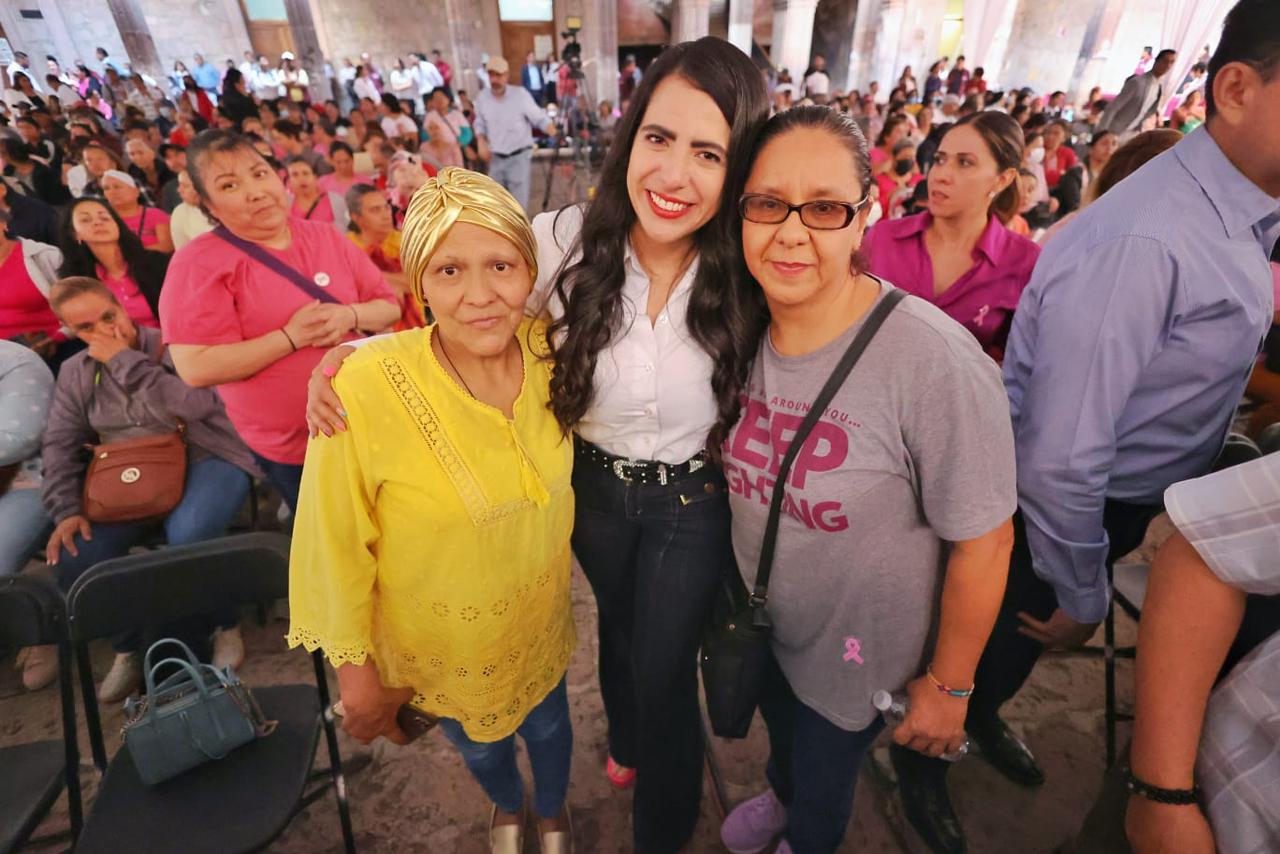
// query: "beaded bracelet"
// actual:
[[946, 689], [1173, 797]]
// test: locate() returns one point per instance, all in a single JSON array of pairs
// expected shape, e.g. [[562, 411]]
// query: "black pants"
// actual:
[[813, 766], [1009, 656], [654, 556]]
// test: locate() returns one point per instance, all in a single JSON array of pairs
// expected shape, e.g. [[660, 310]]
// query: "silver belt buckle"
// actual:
[[695, 464], [618, 466], [662, 473]]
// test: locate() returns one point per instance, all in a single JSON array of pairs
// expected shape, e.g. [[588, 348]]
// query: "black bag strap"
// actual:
[[760, 595], [274, 264]]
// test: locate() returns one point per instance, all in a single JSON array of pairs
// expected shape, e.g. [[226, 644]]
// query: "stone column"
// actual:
[[793, 35], [1094, 51], [306, 46], [887, 41], [136, 36], [234, 13], [865, 27], [470, 35], [599, 40], [692, 20], [742, 24], [833, 38], [66, 49]]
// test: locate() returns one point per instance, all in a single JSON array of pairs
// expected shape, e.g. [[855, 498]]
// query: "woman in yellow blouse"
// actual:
[[431, 550]]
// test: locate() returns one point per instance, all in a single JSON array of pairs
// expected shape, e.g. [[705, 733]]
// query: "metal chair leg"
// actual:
[[70, 746], [1109, 652], [89, 697], [335, 760]]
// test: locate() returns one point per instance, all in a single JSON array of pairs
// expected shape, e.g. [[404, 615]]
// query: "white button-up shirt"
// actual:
[[653, 397]]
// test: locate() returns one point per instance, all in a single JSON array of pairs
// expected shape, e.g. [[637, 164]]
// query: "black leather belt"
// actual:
[[512, 153], [639, 471]]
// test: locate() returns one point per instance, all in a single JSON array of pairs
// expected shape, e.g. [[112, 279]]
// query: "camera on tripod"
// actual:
[[571, 53]]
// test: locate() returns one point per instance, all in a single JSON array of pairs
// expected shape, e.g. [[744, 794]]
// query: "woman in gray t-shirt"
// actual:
[[894, 539]]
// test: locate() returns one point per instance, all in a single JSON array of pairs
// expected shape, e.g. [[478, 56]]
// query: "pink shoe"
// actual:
[[620, 777], [753, 825]]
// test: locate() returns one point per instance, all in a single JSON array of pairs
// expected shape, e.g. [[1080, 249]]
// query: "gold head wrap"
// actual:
[[459, 195]]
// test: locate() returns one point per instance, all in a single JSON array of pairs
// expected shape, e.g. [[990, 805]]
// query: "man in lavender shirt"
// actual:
[[1129, 352]]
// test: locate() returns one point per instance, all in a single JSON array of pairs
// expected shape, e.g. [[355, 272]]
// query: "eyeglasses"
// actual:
[[821, 214]]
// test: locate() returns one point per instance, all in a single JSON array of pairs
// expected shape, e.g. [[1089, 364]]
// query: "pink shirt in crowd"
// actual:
[[215, 294], [129, 296], [982, 299], [332, 183], [319, 211], [24, 309], [144, 223]]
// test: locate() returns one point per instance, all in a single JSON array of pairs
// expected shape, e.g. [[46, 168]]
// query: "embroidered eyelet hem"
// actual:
[[336, 655], [478, 507]]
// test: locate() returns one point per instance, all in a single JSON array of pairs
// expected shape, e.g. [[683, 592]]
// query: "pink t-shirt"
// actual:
[[320, 211], [143, 224], [129, 296], [23, 308], [983, 299], [216, 294], [332, 183]]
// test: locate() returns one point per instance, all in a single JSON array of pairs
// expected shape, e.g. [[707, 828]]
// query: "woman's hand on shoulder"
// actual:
[[324, 408]]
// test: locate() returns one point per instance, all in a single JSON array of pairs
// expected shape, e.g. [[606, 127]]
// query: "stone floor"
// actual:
[[420, 798]]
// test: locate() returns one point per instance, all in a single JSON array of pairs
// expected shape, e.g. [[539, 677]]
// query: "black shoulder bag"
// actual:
[[735, 645]]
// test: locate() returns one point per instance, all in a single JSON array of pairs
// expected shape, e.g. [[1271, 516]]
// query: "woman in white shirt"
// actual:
[[404, 84], [395, 124], [364, 87], [652, 344]]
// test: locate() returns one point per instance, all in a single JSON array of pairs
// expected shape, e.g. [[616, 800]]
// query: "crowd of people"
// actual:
[[332, 299]]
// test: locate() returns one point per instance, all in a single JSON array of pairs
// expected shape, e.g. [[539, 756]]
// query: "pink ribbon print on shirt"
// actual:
[[853, 650]]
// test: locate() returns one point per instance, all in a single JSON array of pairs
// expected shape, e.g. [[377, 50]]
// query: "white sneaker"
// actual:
[[124, 678], [228, 648]]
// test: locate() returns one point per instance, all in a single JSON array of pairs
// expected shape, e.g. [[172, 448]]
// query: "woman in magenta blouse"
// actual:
[[958, 255]]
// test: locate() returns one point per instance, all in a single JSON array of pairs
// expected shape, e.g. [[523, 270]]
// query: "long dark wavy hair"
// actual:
[[590, 289], [146, 268]]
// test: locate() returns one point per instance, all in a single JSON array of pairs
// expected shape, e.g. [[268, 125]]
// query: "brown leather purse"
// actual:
[[137, 480]]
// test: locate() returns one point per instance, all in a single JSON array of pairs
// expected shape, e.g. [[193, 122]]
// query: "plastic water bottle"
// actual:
[[893, 708]]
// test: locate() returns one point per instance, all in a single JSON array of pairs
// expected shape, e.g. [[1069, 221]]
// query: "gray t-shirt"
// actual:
[[915, 449]]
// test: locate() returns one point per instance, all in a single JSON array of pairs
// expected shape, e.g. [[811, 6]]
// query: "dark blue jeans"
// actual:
[[813, 766], [285, 478], [548, 736], [214, 493], [654, 556]]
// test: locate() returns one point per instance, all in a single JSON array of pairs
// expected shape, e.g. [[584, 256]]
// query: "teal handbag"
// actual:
[[196, 715]]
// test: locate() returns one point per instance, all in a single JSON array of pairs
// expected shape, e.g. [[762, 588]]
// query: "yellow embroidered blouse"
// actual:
[[433, 535]]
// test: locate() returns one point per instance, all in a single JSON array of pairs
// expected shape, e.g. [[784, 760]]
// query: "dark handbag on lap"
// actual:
[[735, 645], [196, 715]]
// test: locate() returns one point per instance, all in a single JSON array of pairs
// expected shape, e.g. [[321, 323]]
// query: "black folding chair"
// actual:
[[32, 775], [1129, 586], [241, 802]]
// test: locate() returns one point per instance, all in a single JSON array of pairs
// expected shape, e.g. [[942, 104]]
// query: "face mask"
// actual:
[[903, 167], [1037, 155], [874, 215]]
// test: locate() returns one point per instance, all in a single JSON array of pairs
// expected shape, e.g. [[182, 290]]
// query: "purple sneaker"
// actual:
[[754, 824]]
